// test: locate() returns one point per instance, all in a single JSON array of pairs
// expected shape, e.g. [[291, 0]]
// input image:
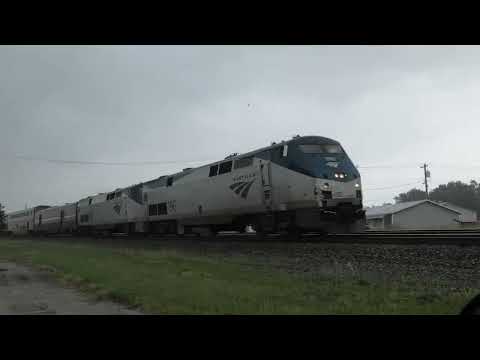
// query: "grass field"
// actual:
[[168, 282]]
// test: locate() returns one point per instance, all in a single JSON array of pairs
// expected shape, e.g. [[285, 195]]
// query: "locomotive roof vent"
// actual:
[[231, 155]]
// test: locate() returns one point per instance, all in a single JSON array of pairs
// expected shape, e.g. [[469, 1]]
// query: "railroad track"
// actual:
[[460, 239], [425, 231], [410, 239], [422, 237]]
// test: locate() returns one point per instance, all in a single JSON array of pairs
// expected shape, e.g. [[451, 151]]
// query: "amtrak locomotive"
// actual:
[[305, 184]]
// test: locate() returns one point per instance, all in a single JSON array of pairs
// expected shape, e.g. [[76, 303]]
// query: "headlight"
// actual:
[[336, 175], [326, 186], [357, 185]]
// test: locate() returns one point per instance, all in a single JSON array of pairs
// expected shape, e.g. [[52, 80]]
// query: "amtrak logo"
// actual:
[[117, 208], [242, 187]]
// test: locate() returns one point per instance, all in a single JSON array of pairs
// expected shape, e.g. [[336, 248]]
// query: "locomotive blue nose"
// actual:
[[325, 161]]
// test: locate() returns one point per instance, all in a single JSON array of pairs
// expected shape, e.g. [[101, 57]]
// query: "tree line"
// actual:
[[455, 192]]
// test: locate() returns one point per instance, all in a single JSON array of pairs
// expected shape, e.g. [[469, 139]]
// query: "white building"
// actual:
[[419, 214]]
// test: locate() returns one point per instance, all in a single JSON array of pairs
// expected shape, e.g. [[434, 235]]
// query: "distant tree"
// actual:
[[2, 217], [454, 192], [459, 193], [411, 195]]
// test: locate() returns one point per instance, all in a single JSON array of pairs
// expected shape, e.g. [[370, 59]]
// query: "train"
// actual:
[[305, 184]]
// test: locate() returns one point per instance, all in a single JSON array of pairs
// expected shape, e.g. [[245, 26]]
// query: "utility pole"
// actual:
[[427, 175]]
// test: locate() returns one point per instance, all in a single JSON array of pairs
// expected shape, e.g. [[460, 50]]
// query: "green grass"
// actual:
[[173, 283]]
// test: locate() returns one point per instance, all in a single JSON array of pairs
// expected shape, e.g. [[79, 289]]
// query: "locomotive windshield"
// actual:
[[320, 149]]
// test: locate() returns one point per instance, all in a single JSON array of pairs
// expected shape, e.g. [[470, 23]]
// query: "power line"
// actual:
[[173, 162], [392, 187], [155, 162], [386, 167], [403, 166], [459, 166], [131, 163]]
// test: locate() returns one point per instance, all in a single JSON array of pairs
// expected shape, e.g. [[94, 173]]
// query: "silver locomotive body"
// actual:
[[304, 184]]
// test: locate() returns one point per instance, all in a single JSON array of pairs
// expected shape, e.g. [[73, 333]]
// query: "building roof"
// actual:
[[381, 211], [467, 215]]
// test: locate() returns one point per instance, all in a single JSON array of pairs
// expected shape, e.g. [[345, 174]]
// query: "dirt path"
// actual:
[[26, 292]]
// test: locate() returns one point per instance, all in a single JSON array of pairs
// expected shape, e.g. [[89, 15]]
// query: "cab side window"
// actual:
[[277, 154], [265, 155], [241, 163]]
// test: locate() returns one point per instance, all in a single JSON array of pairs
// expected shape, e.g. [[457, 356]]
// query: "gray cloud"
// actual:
[[397, 106]]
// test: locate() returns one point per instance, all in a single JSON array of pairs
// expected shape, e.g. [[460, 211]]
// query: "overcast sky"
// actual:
[[389, 106]]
